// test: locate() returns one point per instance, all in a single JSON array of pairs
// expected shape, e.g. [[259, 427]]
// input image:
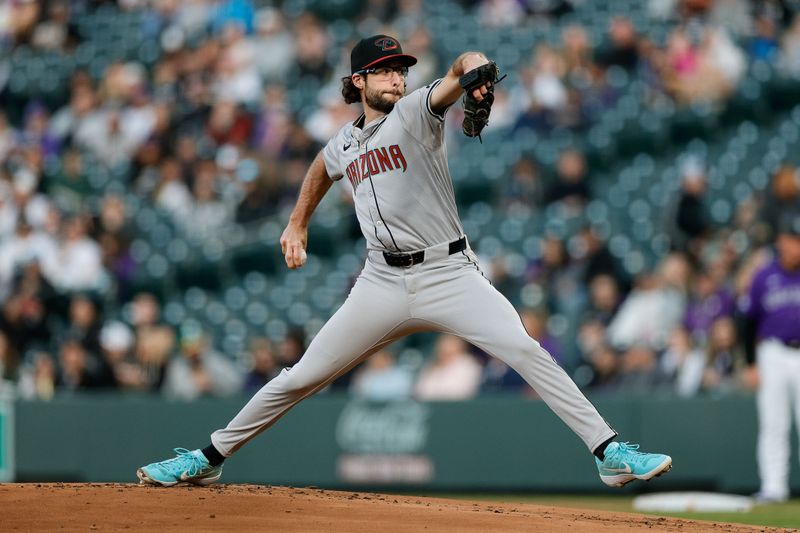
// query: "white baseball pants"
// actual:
[[779, 391], [446, 293]]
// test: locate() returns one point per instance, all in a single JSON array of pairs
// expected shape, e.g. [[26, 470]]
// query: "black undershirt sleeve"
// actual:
[[749, 329]]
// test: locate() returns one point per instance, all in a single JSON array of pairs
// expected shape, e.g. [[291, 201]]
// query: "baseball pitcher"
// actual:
[[420, 273]]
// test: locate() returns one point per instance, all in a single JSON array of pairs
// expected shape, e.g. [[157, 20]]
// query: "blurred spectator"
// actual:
[[691, 219], [209, 213], [638, 371], [789, 60], [273, 45], [116, 347], [427, 68], [654, 307], [329, 117], [604, 299], [733, 15], [604, 371], [683, 364], [25, 313], [114, 235], [764, 44], [272, 123], [705, 67], [622, 49], [596, 259], [69, 187], [35, 132], [381, 379], [548, 88], [84, 324], [237, 77], [172, 194], [55, 32], [708, 301], [263, 365], [524, 190], [9, 360], [577, 53], [145, 311], [724, 358], [80, 370], [28, 202], [782, 197], [453, 374], [23, 16], [199, 370], [79, 260], [291, 348], [500, 13], [24, 247], [114, 133], [8, 136], [154, 345], [229, 124], [558, 276], [236, 13], [37, 381], [571, 186], [68, 120], [311, 44], [259, 192]]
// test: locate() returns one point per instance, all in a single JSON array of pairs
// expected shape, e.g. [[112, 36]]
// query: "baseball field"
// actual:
[[113, 507]]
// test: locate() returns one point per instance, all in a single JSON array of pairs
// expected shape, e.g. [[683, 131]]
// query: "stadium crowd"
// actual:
[[208, 132]]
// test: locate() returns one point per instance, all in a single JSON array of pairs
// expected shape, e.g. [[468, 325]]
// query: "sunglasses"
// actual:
[[384, 72]]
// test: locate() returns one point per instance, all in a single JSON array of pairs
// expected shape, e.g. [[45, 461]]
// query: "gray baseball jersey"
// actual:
[[397, 166]]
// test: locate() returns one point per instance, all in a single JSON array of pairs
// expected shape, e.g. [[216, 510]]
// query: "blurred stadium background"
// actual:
[[638, 157]]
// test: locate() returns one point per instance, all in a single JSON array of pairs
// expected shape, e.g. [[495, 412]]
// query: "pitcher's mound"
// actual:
[[114, 507]]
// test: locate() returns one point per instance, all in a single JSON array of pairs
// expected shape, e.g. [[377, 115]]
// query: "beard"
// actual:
[[379, 100]]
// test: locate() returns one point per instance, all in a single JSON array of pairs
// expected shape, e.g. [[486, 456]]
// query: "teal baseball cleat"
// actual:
[[623, 463], [188, 467]]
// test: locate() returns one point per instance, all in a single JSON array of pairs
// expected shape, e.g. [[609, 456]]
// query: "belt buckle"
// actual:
[[399, 259]]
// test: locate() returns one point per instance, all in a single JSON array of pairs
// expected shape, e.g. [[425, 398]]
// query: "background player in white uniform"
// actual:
[[420, 273], [772, 341]]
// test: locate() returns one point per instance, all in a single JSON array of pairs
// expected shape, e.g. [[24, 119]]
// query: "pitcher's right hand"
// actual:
[[293, 245]]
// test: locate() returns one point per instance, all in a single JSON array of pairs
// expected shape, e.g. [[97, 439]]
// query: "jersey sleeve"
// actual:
[[332, 155], [419, 119]]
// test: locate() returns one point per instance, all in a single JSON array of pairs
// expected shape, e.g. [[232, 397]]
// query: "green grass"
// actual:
[[774, 515]]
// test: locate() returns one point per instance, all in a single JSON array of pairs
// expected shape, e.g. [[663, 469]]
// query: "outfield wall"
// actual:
[[493, 443]]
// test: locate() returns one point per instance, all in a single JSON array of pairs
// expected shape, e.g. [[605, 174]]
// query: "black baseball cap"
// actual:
[[790, 223], [374, 50]]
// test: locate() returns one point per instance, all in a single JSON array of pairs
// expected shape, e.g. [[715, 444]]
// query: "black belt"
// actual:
[[400, 259], [792, 344]]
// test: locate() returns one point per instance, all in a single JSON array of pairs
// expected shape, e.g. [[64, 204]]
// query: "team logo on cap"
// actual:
[[385, 43]]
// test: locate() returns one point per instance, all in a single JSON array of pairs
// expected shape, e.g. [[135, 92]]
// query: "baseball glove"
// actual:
[[476, 114]]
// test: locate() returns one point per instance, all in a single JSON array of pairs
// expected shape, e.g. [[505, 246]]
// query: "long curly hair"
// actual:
[[350, 92]]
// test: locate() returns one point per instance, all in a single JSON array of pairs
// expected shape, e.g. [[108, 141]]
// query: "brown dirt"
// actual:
[[113, 507]]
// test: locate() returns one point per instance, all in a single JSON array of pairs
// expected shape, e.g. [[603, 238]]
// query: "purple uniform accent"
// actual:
[[774, 303]]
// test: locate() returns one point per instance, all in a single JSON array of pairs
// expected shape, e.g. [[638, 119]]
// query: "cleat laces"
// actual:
[[185, 461], [629, 451]]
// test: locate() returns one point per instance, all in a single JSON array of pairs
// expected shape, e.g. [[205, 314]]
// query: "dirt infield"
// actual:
[[113, 507]]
